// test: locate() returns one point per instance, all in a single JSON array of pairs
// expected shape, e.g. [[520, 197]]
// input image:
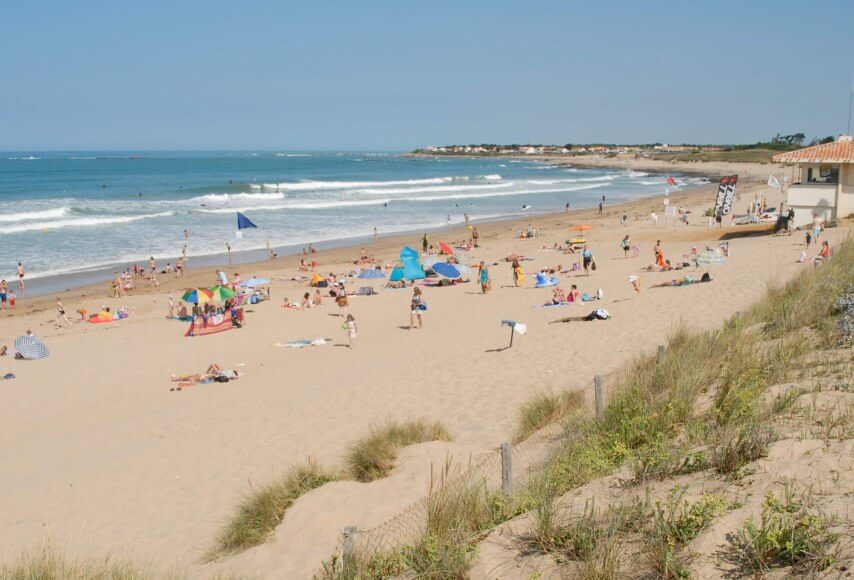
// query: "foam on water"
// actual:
[[79, 223], [34, 215]]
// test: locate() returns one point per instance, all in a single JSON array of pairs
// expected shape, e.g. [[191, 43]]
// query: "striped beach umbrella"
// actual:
[[221, 293], [31, 348], [197, 296]]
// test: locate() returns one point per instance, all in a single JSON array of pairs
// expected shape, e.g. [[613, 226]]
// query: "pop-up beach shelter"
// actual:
[[412, 269]]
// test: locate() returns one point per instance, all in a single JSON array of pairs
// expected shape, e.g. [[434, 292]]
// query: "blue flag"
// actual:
[[244, 222]]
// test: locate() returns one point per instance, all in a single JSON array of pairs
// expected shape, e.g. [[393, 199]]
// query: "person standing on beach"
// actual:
[[416, 308], [21, 274], [425, 243], [152, 265], [566, 209], [474, 236], [184, 252], [483, 278], [654, 217], [719, 218], [626, 245], [600, 207], [466, 218], [586, 258], [350, 326], [179, 267], [228, 250], [817, 224], [376, 234], [517, 272], [186, 234], [4, 294]]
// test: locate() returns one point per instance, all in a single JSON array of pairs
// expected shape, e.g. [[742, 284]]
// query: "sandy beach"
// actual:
[[101, 457]]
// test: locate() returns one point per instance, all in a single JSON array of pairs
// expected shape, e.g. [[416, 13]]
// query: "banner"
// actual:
[[726, 192]]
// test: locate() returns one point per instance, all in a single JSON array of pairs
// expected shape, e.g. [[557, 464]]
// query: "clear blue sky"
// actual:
[[181, 74]]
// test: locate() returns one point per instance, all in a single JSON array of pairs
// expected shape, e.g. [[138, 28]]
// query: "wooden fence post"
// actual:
[[662, 350], [597, 391], [349, 545], [506, 468]]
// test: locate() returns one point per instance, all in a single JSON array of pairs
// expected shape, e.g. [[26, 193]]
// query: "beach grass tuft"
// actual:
[[545, 408], [46, 564], [264, 508], [374, 455]]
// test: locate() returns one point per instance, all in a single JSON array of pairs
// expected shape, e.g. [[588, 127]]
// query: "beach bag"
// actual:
[[593, 265], [585, 297], [322, 284], [221, 379], [422, 305]]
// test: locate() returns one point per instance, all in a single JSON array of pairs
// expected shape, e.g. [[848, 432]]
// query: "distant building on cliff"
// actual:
[[824, 180]]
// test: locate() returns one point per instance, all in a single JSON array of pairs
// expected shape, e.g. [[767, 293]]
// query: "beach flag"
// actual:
[[243, 222], [772, 181]]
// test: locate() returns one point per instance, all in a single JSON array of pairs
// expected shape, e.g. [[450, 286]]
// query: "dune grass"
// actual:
[[47, 564], [374, 455], [264, 508], [545, 408]]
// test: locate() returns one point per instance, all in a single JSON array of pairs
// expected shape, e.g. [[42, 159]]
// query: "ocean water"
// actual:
[[64, 213]]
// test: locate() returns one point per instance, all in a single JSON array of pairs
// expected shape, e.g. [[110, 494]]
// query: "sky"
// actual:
[[280, 75]]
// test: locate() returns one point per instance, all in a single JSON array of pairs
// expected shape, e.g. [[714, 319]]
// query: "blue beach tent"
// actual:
[[412, 269]]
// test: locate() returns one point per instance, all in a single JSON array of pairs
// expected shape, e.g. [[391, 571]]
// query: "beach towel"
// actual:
[[543, 282], [366, 291], [302, 343]]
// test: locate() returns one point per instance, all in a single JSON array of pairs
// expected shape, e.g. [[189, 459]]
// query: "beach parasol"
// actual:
[[371, 274], [221, 293], [580, 228], [462, 256], [197, 296], [253, 282], [464, 270], [430, 259], [446, 270], [31, 348]]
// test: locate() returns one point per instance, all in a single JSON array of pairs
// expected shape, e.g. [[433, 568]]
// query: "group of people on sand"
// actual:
[[8, 297]]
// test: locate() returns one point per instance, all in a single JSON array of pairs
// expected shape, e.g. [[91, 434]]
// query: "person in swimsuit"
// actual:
[[21, 277], [61, 316], [4, 294]]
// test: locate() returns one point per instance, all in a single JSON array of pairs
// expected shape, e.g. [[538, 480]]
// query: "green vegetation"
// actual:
[[673, 523], [264, 508], [789, 534], [46, 564], [544, 409], [374, 455]]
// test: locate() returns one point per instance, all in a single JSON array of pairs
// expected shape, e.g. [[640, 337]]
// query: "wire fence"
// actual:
[[503, 468]]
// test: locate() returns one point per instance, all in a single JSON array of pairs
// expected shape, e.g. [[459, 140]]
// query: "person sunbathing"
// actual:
[[212, 373], [286, 303], [574, 295]]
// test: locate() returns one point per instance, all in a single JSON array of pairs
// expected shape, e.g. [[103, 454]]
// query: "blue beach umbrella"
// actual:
[[446, 270], [252, 282]]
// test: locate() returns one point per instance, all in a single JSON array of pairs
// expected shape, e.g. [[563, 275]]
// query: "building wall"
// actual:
[[846, 191]]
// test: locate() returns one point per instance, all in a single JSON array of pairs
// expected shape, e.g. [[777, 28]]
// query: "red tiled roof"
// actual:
[[836, 152]]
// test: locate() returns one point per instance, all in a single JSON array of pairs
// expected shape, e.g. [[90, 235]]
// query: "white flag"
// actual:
[[520, 328], [772, 181]]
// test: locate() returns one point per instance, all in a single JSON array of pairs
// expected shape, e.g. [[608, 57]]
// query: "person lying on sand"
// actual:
[[286, 303], [656, 268], [214, 372], [686, 280]]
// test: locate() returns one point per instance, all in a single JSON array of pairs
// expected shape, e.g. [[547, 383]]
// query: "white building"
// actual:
[[823, 182]]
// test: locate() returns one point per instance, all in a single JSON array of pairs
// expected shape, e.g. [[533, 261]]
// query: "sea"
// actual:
[[73, 218]]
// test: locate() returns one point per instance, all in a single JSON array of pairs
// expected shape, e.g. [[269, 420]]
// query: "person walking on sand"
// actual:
[[600, 207], [61, 316], [350, 327], [152, 265], [179, 267], [20, 275], [483, 278], [626, 245], [341, 298], [416, 308], [654, 217], [586, 258]]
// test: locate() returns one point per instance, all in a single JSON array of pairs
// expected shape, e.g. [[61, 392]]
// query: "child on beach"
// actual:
[[318, 298], [416, 309], [350, 327], [483, 277]]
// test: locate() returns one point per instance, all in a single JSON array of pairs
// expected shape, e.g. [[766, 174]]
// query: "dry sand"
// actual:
[[99, 456]]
